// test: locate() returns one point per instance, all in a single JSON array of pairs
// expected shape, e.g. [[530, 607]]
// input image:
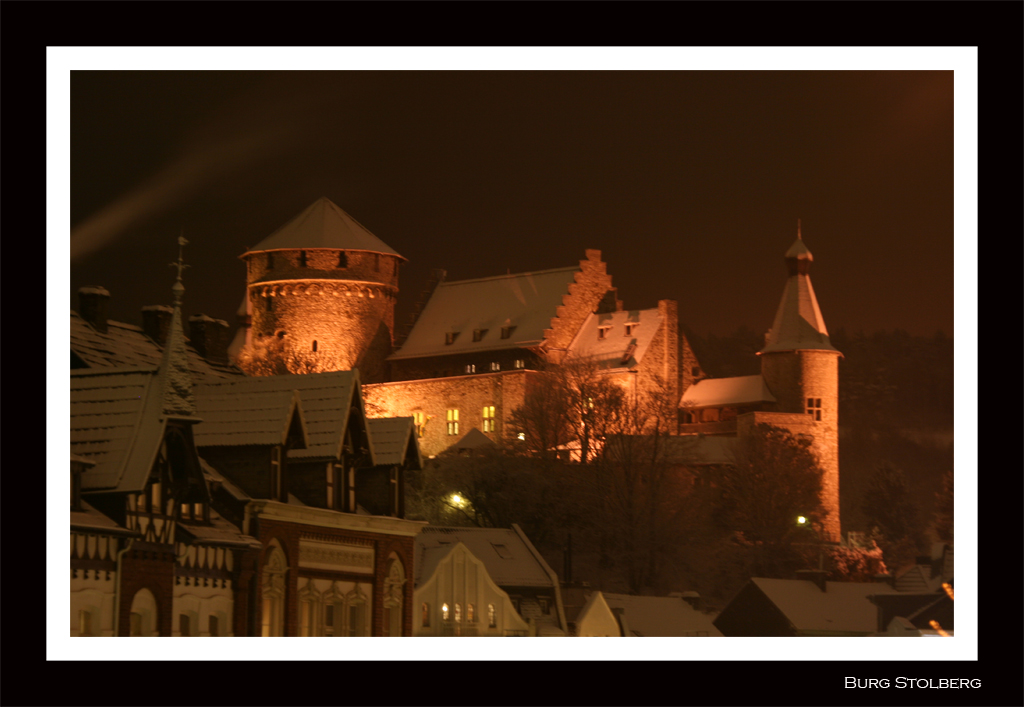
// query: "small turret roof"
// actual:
[[323, 225], [798, 322], [799, 250]]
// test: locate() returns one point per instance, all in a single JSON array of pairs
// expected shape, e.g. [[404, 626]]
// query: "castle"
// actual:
[[321, 293]]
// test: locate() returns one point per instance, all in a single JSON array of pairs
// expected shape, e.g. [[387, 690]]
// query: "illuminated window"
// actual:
[[492, 617], [495, 366], [470, 368], [453, 421], [814, 408], [470, 614], [425, 614], [521, 436], [444, 612], [488, 418], [506, 331], [478, 334], [450, 337], [520, 363], [420, 420], [458, 613]]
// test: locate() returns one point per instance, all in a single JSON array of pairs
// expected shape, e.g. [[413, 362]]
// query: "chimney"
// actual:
[[816, 576], [92, 306], [156, 322], [209, 337]]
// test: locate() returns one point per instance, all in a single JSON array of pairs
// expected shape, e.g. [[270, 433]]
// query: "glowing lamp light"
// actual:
[[456, 499], [801, 520]]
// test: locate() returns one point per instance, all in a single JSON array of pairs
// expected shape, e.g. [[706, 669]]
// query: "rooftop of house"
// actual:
[[127, 345], [720, 392], [487, 314], [326, 400], [510, 558], [392, 438], [617, 339], [261, 415], [323, 224], [843, 607], [661, 616], [117, 423]]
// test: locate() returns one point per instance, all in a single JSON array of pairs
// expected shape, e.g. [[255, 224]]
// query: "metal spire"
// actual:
[[178, 288], [799, 237], [176, 378]]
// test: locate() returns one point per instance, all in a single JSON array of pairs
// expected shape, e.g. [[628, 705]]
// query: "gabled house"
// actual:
[[671, 616], [300, 470], [512, 563], [161, 559]]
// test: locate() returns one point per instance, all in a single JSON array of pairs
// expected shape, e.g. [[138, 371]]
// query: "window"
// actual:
[[136, 624], [84, 622], [444, 612], [329, 619], [453, 421], [156, 497], [272, 588], [425, 614], [270, 260], [492, 617], [470, 368], [629, 328], [302, 258], [488, 418], [214, 625], [520, 363], [184, 625], [420, 420], [314, 345], [376, 262], [814, 408], [521, 436], [495, 366], [450, 337], [470, 614], [478, 334], [458, 613], [602, 332], [270, 304], [506, 331], [342, 260], [545, 605]]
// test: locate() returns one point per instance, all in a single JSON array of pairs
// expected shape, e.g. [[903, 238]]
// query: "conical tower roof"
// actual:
[[174, 377], [324, 225], [798, 322]]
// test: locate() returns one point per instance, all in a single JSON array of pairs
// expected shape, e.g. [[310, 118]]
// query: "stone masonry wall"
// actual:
[[585, 296]]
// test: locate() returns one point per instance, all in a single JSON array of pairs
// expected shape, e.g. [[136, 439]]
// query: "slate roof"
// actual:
[[323, 225], [844, 607], [117, 423], [700, 449], [326, 399], [616, 348], [526, 301], [259, 416], [798, 322], [127, 345], [738, 390], [661, 616], [218, 532], [88, 518], [510, 559], [391, 437]]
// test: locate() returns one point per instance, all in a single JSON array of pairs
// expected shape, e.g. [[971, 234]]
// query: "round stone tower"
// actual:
[[801, 368], [322, 293]]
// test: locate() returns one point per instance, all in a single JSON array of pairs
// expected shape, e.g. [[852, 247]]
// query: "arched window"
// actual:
[[492, 617], [144, 617], [444, 611], [314, 345], [358, 625], [309, 610], [272, 588], [425, 614], [394, 586]]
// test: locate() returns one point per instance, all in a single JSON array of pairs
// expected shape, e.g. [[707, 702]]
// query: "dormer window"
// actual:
[[450, 337], [506, 331], [478, 334], [495, 366], [470, 368], [630, 326], [602, 332], [520, 363]]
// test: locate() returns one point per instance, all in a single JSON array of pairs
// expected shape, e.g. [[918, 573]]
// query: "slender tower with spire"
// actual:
[[801, 368], [175, 376]]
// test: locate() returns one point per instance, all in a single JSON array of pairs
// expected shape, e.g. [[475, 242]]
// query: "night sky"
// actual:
[[689, 182]]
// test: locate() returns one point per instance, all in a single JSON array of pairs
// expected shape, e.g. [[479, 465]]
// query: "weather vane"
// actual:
[[178, 288]]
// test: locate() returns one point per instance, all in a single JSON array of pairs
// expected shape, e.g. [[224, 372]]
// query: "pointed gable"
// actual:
[[323, 225], [394, 440], [262, 417]]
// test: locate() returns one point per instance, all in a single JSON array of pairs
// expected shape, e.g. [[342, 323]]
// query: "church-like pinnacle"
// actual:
[[175, 376]]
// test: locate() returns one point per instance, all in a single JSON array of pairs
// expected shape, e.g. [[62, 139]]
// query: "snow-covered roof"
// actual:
[[737, 390], [661, 616], [323, 225], [798, 322], [117, 423], [218, 532], [525, 301], [326, 399], [616, 346], [510, 559], [127, 345], [474, 439], [391, 438], [88, 518], [259, 416], [843, 607]]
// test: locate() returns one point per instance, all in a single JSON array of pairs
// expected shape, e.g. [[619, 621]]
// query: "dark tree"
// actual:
[[944, 509], [894, 516]]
